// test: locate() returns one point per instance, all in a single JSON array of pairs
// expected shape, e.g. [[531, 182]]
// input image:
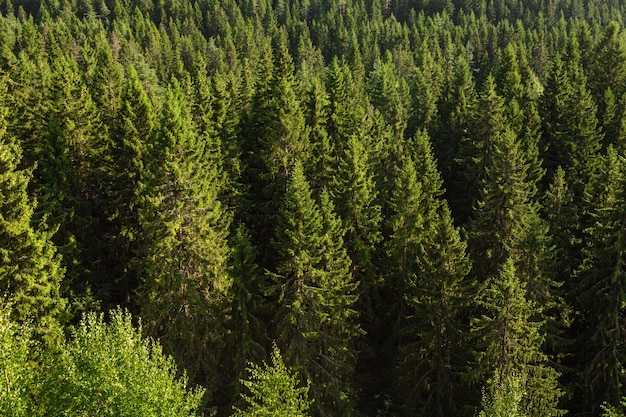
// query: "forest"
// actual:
[[322, 208]]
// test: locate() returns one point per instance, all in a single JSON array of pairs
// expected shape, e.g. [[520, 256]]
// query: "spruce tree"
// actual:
[[456, 108], [571, 135], [249, 307], [508, 241], [30, 267], [274, 390], [601, 287], [314, 321], [389, 94], [282, 138], [355, 194], [509, 342], [428, 265], [182, 261], [608, 63], [132, 133]]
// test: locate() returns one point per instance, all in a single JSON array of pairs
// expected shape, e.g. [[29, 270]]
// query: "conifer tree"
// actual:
[[68, 180], [248, 307], [314, 318], [132, 133], [428, 264], [498, 170], [355, 194], [282, 138], [389, 94], [601, 287], [509, 342], [456, 108], [183, 257], [30, 268], [508, 240], [323, 156], [608, 63], [571, 135], [520, 110], [274, 390], [346, 113]]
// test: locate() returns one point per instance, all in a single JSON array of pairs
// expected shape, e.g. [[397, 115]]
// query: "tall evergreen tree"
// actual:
[[389, 94], [427, 265], [355, 194], [509, 342], [508, 241], [68, 177], [282, 139], [608, 63], [571, 135], [30, 267], [601, 288], [314, 317], [456, 108], [132, 133], [249, 330], [183, 257]]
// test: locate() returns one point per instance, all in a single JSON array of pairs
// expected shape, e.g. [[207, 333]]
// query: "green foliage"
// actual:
[[111, 370], [503, 398], [602, 285], [274, 390], [18, 371], [315, 323], [614, 411], [183, 257], [30, 270], [136, 177]]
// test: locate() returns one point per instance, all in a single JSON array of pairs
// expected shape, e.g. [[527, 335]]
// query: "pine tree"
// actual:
[[314, 319], [282, 138], [432, 344], [389, 94], [509, 342], [346, 115], [571, 135], [183, 256], [601, 287], [456, 109], [30, 267], [355, 195], [498, 169], [132, 133], [249, 307], [509, 241], [520, 110], [608, 63], [428, 265], [69, 178], [274, 391], [323, 162]]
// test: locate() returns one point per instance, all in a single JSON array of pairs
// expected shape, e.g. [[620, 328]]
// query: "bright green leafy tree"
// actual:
[[109, 369]]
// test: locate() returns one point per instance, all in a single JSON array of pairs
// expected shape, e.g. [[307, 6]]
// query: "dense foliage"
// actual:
[[420, 204], [103, 369]]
